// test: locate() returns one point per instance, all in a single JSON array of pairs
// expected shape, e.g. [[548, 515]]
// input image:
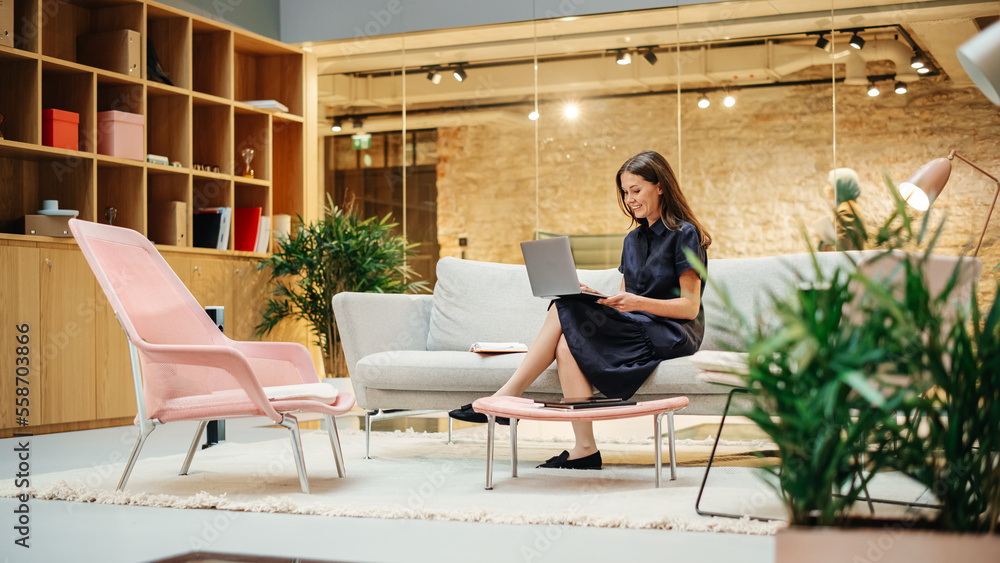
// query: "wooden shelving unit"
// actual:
[[199, 119], [81, 375]]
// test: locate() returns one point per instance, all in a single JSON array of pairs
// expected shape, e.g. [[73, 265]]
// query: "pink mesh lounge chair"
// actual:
[[184, 367]]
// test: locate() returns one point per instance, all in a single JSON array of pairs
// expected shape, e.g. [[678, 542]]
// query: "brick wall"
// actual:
[[755, 174]]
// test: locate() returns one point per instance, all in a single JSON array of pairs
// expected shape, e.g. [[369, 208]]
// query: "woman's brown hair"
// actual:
[[674, 208]]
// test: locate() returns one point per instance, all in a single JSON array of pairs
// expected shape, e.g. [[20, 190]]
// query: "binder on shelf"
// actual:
[[170, 226], [117, 51], [7, 23], [206, 226], [268, 105], [263, 235], [246, 227]]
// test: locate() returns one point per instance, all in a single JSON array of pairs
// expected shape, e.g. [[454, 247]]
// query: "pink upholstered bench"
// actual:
[[519, 408]]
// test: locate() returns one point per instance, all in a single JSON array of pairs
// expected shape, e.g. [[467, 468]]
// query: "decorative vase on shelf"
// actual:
[[248, 155]]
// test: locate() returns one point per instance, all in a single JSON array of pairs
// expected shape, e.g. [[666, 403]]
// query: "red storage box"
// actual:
[[119, 133], [61, 129]]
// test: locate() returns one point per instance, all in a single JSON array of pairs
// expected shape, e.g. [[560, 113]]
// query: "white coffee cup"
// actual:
[[50, 204]]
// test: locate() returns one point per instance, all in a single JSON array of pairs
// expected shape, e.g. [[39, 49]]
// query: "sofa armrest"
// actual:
[[380, 322]]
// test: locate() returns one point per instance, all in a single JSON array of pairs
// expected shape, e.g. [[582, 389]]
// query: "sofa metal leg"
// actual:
[[449, 431], [673, 446], [658, 448]]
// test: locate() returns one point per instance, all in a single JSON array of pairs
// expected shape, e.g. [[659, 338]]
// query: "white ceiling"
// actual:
[[938, 27]]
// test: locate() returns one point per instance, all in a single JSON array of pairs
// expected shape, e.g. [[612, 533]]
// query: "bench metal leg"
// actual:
[[513, 447], [490, 419]]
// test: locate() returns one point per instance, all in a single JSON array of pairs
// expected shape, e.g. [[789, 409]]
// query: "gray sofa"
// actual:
[[411, 351]]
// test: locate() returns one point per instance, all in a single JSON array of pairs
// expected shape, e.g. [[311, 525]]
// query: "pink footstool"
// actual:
[[519, 408]]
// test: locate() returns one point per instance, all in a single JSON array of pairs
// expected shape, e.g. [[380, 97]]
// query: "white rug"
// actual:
[[419, 476]]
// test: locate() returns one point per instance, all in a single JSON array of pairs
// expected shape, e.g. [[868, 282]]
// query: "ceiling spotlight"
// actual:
[[624, 58], [704, 102], [533, 115], [822, 42], [650, 56], [857, 41], [923, 70], [571, 111], [459, 74], [873, 90], [337, 126], [434, 76], [917, 61], [900, 87], [357, 123], [729, 101]]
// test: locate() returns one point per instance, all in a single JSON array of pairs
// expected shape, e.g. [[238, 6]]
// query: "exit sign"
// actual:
[[361, 141]]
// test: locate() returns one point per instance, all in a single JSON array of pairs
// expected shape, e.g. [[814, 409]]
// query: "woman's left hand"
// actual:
[[621, 301]]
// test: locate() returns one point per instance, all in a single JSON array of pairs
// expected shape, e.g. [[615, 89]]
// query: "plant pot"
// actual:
[[883, 541]]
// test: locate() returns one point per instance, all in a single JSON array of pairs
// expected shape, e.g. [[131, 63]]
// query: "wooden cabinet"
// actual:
[[80, 370]]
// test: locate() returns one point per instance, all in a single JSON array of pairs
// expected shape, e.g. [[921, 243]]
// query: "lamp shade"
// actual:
[[980, 57], [926, 184]]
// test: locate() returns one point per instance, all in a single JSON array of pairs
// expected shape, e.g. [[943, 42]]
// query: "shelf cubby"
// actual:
[[122, 187], [265, 72], [69, 179], [252, 195], [168, 127], [113, 95], [212, 135], [212, 67], [211, 192], [253, 131], [163, 187], [68, 89], [170, 35], [25, 26], [22, 119], [288, 173], [62, 23]]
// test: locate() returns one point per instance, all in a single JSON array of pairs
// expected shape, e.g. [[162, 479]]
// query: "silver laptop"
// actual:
[[551, 270]]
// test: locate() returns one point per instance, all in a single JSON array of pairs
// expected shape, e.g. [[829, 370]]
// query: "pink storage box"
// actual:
[[61, 129], [119, 133]]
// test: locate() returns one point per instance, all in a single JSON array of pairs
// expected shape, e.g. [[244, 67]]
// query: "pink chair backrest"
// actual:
[[150, 300]]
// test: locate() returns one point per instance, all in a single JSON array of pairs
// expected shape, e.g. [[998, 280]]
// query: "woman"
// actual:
[[616, 343]]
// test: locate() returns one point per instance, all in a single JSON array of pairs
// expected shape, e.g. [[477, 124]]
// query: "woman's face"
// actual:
[[642, 197]]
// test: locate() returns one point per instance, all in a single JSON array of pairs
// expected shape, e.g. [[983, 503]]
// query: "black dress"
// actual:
[[617, 351]]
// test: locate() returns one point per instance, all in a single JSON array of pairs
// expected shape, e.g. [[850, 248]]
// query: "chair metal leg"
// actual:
[[194, 447], [368, 435], [331, 429], [144, 432], [673, 446], [711, 458], [490, 419], [289, 422], [513, 447]]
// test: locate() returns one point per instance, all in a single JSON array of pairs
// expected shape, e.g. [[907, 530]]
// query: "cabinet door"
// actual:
[[211, 283], [115, 388], [19, 295], [68, 312], [249, 286]]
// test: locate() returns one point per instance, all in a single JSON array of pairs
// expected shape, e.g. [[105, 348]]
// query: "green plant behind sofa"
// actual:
[[340, 252]]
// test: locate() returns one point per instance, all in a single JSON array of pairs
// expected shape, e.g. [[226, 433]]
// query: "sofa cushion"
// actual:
[[466, 371], [489, 302]]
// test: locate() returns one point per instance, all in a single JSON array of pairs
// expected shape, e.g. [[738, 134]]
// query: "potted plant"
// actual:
[[859, 375], [340, 252]]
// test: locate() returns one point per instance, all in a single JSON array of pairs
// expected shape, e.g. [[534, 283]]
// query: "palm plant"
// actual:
[[340, 252]]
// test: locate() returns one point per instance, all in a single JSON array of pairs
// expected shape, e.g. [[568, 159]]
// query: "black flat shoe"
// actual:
[[466, 414], [562, 461]]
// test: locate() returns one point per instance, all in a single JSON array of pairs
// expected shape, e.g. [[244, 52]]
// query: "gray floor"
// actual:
[[70, 531]]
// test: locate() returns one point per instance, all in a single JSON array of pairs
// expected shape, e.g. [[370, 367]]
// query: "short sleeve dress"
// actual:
[[617, 351]]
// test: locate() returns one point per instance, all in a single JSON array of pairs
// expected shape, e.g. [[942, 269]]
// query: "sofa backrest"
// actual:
[[490, 302]]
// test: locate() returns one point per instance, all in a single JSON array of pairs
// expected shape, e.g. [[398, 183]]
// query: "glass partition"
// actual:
[[479, 176]]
